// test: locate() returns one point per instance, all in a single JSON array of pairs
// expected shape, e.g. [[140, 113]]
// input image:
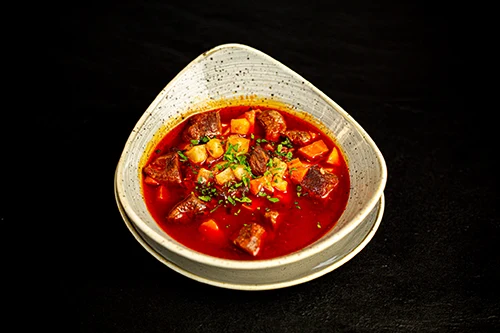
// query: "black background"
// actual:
[[399, 68]]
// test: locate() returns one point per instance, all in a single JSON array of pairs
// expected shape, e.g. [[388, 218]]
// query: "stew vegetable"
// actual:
[[246, 183]]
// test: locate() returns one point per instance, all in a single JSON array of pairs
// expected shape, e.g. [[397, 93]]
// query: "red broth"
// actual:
[[302, 218]]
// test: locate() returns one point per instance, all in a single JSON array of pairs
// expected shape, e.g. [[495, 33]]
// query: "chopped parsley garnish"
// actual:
[[182, 156], [274, 200], [243, 199], [231, 200], [287, 143], [205, 198]]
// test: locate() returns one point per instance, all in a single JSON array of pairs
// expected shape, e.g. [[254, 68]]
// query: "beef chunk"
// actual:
[[258, 159], [203, 124], [273, 123], [165, 169], [300, 138], [186, 210], [272, 217], [250, 238], [319, 183]]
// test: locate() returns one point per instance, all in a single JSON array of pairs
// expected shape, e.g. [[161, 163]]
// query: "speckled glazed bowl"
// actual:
[[235, 74]]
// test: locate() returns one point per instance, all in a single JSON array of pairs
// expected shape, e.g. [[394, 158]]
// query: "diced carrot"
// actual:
[[334, 157], [314, 150], [211, 231], [150, 181], [255, 185], [162, 193], [297, 170], [261, 183]]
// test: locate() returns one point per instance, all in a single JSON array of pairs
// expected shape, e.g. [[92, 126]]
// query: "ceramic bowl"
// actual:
[[235, 74]]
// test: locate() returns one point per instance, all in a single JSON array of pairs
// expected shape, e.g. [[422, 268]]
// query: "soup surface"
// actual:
[[246, 183]]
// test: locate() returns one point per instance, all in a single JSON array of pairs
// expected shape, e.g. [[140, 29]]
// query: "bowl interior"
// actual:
[[234, 74]]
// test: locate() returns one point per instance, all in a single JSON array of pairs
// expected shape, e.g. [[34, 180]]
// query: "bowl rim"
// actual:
[[249, 286], [309, 250]]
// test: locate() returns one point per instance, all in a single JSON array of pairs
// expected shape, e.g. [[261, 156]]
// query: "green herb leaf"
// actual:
[[245, 181], [182, 156], [273, 199], [287, 143], [243, 199], [205, 198], [195, 142], [231, 200]]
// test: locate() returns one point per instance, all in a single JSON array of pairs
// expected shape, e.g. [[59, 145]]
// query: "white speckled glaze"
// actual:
[[238, 74]]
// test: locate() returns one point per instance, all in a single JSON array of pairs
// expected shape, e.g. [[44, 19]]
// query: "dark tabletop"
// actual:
[[397, 68]]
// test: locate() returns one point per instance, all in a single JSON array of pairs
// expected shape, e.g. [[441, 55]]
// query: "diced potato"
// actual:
[[204, 176], [197, 154], [250, 116], [334, 157], [314, 150], [225, 176], [240, 126], [240, 144], [279, 167], [279, 183], [215, 148], [267, 183], [240, 171], [297, 170]]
